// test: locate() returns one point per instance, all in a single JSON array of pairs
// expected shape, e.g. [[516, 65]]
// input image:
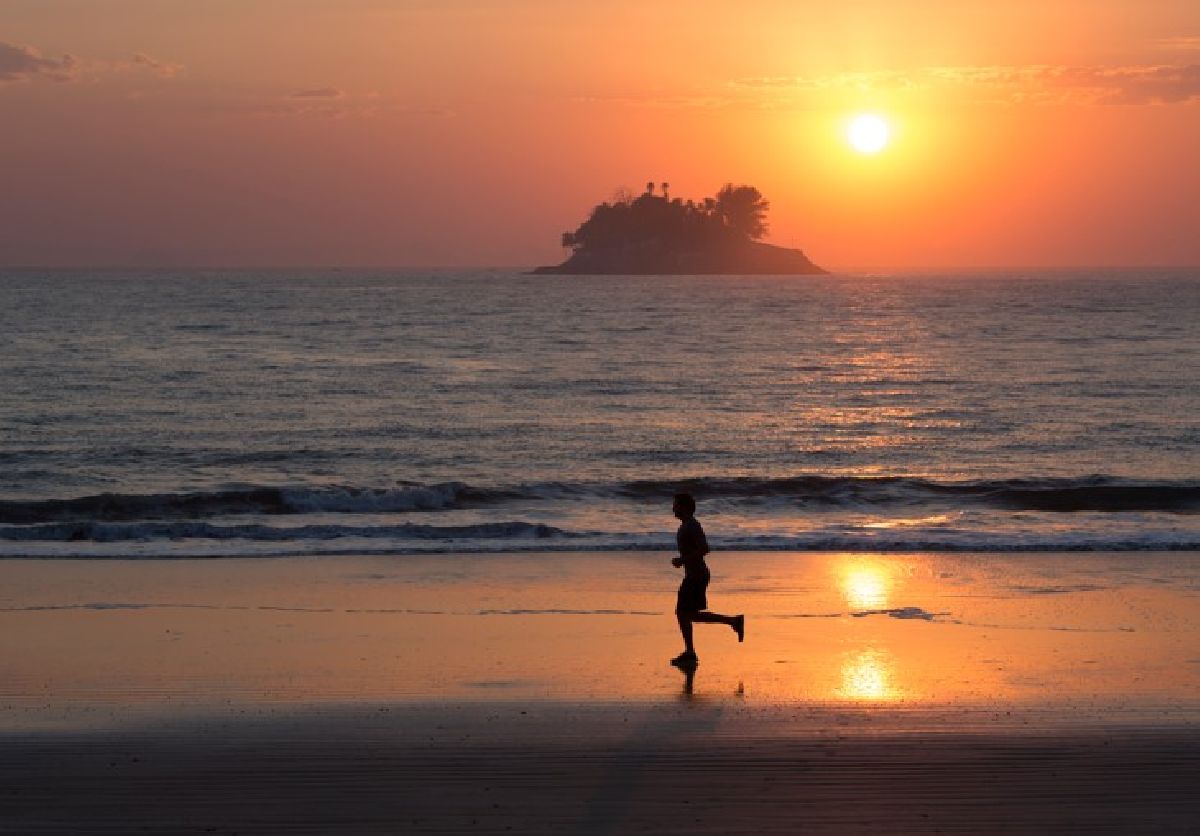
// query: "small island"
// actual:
[[655, 234]]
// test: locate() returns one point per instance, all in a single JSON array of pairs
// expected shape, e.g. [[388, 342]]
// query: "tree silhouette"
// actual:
[[736, 214], [743, 210]]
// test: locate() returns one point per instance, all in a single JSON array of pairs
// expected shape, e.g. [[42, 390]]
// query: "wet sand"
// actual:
[[915, 693], [625, 769]]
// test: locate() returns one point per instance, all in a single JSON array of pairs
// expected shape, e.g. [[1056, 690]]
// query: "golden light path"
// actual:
[[865, 583], [867, 675]]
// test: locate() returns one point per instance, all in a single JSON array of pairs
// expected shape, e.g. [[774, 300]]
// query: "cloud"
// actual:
[[1181, 43], [159, 68], [22, 63], [1167, 84], [1003, 84], [662, 101], [318, 93], [320, 103]]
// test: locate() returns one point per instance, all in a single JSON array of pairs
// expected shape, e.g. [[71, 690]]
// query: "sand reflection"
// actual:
[[868, 675]]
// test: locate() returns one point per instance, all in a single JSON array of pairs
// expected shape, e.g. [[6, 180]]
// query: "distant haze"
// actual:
[[475, 132]]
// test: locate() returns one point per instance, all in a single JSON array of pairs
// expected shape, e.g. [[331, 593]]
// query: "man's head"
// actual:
[[684, 506]]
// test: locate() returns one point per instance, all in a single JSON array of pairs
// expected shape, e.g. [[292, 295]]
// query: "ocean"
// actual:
[[264, 413]]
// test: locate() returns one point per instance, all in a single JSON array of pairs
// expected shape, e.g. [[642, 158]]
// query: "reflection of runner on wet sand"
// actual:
[[688, 693], [689, 682], [692, 604]]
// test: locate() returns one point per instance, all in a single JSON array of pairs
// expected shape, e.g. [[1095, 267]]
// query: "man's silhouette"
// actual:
[[692, 603]]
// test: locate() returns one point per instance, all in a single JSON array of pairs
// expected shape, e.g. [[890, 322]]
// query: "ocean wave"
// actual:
[[115, 507], [811, 493], [175, 531], [183, 539], [1089, 493]]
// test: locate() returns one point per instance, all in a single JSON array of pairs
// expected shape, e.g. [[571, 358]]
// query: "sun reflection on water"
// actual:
[[867, 675], [865, 584]]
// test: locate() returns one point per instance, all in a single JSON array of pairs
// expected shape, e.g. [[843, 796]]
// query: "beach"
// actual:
[[531, 693]]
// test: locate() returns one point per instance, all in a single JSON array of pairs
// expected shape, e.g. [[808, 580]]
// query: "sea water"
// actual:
[[299, 412]]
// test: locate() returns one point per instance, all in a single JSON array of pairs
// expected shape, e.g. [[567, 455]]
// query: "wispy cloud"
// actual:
[[665, 101], [1022, 84], [318, 93], [1135, 85], [326, 103], [23, 63], [162, 69], [1180, 43]]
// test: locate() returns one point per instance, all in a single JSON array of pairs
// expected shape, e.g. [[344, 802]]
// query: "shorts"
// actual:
[[692, 594]]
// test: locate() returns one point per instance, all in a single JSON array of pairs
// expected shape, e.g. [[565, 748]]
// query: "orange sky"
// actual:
[[474, 132]]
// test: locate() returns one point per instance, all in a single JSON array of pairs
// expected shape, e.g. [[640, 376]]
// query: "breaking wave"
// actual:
[[1090, 493], [802, 513], [200, 539], [804, 493], [102, 532], [115, 507]]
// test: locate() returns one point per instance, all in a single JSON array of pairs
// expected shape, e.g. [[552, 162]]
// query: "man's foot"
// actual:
[[739, 626], [687, 659]]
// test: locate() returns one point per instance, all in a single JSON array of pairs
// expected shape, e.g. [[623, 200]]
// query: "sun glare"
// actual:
[[865, 584], [868, 133], [868, 676]]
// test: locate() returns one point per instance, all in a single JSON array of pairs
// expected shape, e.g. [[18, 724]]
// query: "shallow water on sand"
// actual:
[[890, 639]]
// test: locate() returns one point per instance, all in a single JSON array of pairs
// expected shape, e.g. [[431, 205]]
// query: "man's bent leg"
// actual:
[[713, 618], [737, 622]]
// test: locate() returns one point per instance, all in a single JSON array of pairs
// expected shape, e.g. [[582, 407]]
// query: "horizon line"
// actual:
[[523, 268]]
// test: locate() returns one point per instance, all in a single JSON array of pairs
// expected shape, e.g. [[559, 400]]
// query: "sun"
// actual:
[[868, 133]]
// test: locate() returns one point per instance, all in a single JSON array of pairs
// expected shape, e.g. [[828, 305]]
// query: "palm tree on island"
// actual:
[[660, 235]]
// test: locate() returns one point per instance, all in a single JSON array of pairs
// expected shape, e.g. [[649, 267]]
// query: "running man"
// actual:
[[692, 604]]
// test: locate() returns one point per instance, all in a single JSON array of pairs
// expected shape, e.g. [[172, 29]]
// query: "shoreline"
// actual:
[[155, 551]]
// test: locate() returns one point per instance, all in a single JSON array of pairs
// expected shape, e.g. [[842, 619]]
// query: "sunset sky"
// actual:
[[474, 132]]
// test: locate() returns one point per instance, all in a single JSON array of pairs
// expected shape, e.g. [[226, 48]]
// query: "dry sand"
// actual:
[[903, 694]]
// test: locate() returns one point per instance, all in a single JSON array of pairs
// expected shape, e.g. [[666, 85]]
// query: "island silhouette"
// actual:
[[655, 234]]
